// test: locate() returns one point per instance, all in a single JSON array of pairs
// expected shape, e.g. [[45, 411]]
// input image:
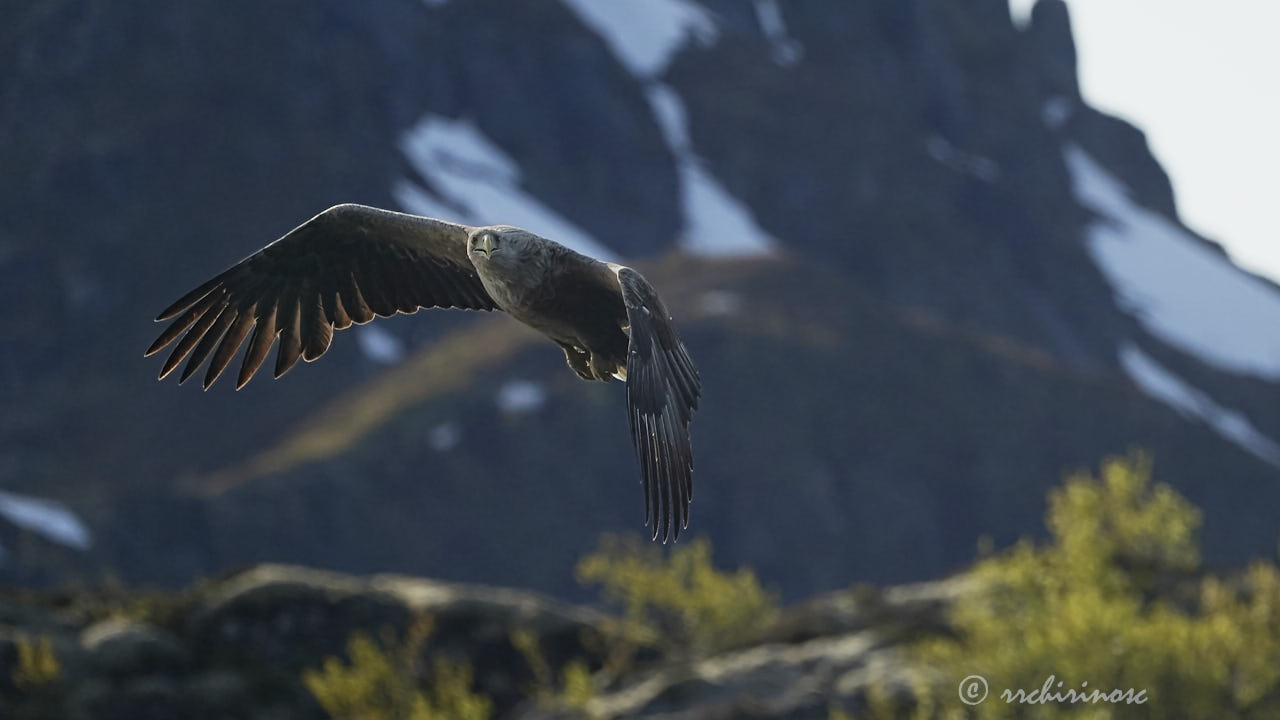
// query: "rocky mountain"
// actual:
[[920, 275]]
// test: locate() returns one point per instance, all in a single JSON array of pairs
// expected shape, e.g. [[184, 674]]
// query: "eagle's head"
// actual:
[[501, 245]]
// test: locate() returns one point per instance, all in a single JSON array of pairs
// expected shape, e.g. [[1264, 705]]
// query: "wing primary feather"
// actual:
[[680, 389], [316, 330], [647, 473], [687, 447], [230, 343], [663, 481], [661, 477], [192, 297], [688, 382], [652, 474], [290, 342], [335, 311], [668, 487], [264, 334], [684, 457], [693, 382], [353, 301], [641, 431], [681, 473], [182, 323], [686, 474], [637, 437], [209, 341], [193, 335]]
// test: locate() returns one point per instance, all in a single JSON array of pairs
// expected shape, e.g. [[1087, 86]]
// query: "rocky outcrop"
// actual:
[[824, 653], [237, 648]]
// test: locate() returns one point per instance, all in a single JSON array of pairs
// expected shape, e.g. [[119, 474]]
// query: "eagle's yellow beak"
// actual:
[[486, 244]]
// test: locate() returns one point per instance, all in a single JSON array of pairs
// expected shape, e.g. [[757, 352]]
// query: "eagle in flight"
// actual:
[[353, 262]]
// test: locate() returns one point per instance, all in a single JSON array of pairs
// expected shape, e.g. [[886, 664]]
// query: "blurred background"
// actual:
[[923, 276]]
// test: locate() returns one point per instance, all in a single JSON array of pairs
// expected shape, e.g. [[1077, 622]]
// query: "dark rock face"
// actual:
[[935, 348], [925, 125], [1050, 44]]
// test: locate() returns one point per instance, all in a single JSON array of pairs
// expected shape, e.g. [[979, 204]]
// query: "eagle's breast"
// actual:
[[521, 286]]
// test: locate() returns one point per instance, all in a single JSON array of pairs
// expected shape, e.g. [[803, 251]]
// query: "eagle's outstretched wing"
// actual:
[[662, 392], [343, 266]]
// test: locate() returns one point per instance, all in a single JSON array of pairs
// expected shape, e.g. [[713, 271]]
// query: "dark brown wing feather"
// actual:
[[344, 266], [662, 392]]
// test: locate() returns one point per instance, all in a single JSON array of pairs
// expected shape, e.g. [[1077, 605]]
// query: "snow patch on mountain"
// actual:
[[785, 50], [1164, 386], [1020, 12], [47, 518], [520, 396], [646, 34], [1056, 112], [379, 345], [716, 224], [668, 110], [1182, 290], [962, 161], [445, 436], [720, 303], [474, 182]]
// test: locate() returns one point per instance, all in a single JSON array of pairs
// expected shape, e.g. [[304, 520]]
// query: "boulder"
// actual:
[[119, 647]]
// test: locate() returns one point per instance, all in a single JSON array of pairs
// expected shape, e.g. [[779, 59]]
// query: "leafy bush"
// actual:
[[680, 598], [1114, 601], [575, 689], [385, 683], [38, 665], [39, 689]]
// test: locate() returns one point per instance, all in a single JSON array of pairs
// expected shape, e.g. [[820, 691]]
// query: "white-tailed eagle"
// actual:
[[351, 263]]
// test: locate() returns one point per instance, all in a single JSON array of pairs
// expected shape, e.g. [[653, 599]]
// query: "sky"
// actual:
[[1202, 79]]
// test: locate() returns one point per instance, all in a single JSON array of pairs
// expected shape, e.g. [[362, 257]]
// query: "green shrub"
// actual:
[[38, 665], [575, 688], [385, 683], [1113, 600], [679, 598]]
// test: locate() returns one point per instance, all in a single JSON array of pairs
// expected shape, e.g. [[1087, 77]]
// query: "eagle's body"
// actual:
[[352, 263], [573, 299]]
